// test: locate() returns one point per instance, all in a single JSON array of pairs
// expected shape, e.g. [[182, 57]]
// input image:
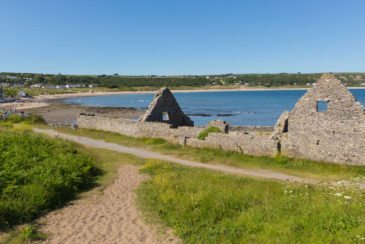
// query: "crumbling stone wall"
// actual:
[[252, 143], [165, 105], [333, 135], [136, 128], [248, 142]]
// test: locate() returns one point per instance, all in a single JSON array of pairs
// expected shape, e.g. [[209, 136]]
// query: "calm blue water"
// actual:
[[236, 107]]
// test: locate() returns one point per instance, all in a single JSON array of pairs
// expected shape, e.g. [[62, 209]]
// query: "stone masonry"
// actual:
[[335, 134], [327, 124], [164, 108]]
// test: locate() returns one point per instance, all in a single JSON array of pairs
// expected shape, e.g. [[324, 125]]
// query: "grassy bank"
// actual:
[[206, 207], [299, 167], [215, 208], [37, 174]]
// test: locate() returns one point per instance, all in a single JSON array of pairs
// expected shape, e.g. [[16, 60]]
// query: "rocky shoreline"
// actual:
[[66, 114]]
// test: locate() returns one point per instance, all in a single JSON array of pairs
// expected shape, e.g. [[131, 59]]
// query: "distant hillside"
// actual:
[[117, 81]]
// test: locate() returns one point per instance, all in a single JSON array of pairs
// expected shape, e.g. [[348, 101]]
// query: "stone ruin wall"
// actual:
[[337, 135], [248, 142], [137, 129], [164, 102]]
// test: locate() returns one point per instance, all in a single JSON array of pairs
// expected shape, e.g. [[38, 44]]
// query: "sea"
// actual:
[[240, 108]]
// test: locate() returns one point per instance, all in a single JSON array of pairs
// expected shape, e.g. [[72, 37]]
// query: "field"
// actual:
[[216, 208], [209, 207]]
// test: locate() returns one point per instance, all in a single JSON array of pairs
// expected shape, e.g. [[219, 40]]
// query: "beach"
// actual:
[[57, 112], [91, 94]]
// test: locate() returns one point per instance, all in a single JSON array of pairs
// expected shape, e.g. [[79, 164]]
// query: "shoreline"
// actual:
[[25, 105], [45, 100], [92, 94]]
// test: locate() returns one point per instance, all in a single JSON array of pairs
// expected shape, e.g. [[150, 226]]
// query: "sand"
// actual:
[[23, 105], [65, 114], [111, 217], [91, 94]]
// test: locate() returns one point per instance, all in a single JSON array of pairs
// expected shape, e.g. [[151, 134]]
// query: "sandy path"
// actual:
[[257, 173], [108, 218]]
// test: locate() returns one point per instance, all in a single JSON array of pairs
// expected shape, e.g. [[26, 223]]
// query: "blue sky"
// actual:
[[181, 36]]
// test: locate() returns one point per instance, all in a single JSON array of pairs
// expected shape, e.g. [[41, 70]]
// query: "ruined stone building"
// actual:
[[164, 108], [327, 124]]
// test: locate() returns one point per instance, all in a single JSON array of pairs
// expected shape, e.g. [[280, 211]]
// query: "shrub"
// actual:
[[34, 119], [29, 119], [14, 118], [211, 129], [37, 174]]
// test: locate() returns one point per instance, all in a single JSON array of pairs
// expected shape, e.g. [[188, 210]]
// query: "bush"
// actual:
[[211, 129], [29, 119], [14, 118], [37, 174]]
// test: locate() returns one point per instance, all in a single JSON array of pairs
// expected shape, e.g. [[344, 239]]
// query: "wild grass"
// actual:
[[24, 234], [58, 169], [205, 133], [206, 207], [298, 167], [38, 174]]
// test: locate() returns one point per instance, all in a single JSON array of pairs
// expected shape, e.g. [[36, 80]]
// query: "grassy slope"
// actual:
[[107, 162], [216, 208], [38, 174], [297, 167]]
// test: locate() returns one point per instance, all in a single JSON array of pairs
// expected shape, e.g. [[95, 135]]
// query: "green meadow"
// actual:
[[199, 206], [206, 207]]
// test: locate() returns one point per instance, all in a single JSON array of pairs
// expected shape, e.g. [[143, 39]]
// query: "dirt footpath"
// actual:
[[256, 173], [111, 217]]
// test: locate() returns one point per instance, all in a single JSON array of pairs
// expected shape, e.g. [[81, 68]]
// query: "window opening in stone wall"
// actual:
[[286, 126], [322, 106], [165, 116]]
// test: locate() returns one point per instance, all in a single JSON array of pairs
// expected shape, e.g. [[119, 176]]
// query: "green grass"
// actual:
[[24, 234], [205, 133], [206, 207], [38, 174], [44, 170], [298, 167]]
